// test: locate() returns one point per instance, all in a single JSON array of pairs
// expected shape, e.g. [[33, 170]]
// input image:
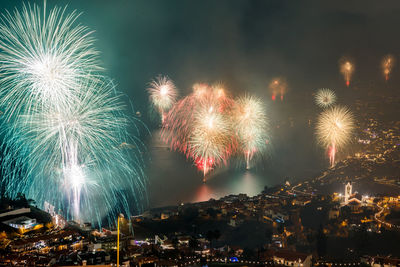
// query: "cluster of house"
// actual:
[[81, 244]]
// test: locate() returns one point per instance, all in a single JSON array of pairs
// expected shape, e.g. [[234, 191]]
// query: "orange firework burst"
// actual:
[[178, 122], [211, 138], [387, 65], [184, 127], [278, 87], [347, 69]]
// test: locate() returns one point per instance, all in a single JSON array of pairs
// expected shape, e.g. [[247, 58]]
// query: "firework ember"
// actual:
[[347, 69], [387, 65], [162, 94], [251, 125], [334, 129], [278, 87], [325, 97]]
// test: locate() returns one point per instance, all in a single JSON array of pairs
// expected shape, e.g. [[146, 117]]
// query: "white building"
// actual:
[[21, 222], [291, 258], [347, 192]]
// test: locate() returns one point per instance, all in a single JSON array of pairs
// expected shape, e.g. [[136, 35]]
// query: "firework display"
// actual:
[[64, 126], [251, 125], [278, 87], [43, 59], [178, 123], [199, 126], [68, 141], [162, 94], [347, 69], [334, 129], [325, 97], [387, 65], [209, 127], [210, 140]]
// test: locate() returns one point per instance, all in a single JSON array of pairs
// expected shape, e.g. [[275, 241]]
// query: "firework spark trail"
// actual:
[[43, 57], [63, 139], [347, 69], [334, 128], [179, 121], [211, 137], [185, 131], [77, 158], [209, 127], [251, 126], [325, 97], [163, 94], [387, 65], [278, 86]]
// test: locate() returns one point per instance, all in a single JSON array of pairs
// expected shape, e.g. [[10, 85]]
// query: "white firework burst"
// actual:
[[78, 155], [64, 130], [43, 57], [163, 94], [251, 125], [334, 128], [325, 97], [211, 137]]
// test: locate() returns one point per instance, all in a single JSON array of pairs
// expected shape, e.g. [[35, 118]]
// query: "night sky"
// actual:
[[240, 43], [244, 44]]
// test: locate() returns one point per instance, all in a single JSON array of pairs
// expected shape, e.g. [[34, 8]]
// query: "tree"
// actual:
[[21, 200], [321, 242], [193, 244], [361, 239], [175, 242], [217, 234], [189, 214], [248, 253], [345, 212], [210, 236], [310, 238], [280, 228], [265, 191], [154, 251], [212, 212], [268, 235], [291, 240]]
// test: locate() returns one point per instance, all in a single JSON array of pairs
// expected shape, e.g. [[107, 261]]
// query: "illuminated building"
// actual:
[[290, 258], [347, 192], [21, 222]]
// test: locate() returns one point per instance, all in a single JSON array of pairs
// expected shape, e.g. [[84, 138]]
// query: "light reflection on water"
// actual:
[[241, 182], [173, 179]]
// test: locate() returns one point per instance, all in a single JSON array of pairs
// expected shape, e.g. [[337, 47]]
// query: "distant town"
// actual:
[[284, 225]]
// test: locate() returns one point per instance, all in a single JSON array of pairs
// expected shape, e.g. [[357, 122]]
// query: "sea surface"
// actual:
[[173, 179]]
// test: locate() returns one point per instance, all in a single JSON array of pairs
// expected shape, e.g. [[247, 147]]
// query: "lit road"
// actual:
[[378, 214]]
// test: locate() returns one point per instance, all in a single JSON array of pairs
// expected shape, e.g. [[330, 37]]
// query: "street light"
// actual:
[[119, 216]]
